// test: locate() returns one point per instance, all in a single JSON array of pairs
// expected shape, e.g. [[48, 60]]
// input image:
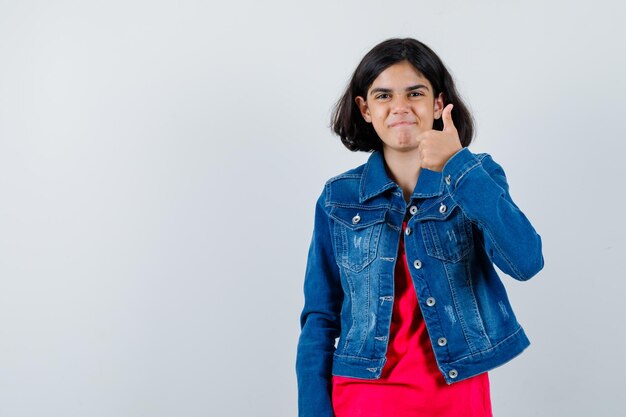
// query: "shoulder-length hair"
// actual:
[[347, 121]]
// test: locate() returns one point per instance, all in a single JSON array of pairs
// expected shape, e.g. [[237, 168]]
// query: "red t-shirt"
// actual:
[[411, 385]]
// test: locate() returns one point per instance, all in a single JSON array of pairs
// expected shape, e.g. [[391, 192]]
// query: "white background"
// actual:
[[160, 162]]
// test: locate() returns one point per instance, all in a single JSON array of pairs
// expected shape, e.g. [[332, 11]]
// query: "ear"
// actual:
[[438, 109], [364, 108]]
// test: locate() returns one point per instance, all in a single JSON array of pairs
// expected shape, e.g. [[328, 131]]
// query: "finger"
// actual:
[[448, 124]]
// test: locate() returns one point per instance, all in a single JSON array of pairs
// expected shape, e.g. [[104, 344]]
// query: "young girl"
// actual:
[[404, 313]]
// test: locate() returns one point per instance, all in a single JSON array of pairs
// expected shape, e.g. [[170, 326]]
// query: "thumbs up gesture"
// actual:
[[435, 147]]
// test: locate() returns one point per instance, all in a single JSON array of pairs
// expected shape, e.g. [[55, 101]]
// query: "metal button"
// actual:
[[442, 341], [413, 209], [356, 219], [430, 301], [417, 264], [407, 231], [448, 179], [442, 208], [453, 373]]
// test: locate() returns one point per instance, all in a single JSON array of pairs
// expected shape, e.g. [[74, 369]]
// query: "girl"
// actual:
[[404, 313]]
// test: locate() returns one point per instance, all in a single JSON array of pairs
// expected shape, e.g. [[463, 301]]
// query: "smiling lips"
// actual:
[[401, 123]]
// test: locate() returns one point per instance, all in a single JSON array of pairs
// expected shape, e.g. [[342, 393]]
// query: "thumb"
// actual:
[[448, 124]]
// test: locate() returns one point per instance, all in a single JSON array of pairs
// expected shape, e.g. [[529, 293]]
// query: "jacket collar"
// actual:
[[375, 180]]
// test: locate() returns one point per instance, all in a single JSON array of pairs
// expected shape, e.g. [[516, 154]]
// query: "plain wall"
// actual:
[[160, 162]]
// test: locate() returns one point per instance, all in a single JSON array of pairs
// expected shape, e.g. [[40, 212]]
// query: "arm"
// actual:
[[481, 190], [319, 321]]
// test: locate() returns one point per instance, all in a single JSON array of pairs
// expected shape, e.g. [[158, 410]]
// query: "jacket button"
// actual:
[[453, 373], [442, 341], [407, 231], [413, 209], [448, 179], [442, 208], [430, 301], [356, 219], [417, 264]]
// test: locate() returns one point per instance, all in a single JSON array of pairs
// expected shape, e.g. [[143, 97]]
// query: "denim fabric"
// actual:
[[460, 222]]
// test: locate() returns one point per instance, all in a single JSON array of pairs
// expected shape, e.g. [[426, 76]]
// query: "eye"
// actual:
[[382, 96], [416, 94]]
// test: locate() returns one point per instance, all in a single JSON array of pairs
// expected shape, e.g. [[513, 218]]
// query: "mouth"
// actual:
[[401, 123]]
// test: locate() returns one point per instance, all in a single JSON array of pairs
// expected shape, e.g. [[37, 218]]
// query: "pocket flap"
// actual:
[[441, 210], [358, 217]]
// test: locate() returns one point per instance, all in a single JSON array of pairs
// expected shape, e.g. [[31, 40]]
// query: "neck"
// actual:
[[403, 168]]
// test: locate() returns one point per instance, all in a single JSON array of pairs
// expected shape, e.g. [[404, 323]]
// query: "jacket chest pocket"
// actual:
[[446, 231], [356, 235]]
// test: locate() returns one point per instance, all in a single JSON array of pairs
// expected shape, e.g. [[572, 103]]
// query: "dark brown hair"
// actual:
[[347, 121]]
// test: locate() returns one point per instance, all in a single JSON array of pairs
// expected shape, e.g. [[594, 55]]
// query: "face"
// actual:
[[400, 104]]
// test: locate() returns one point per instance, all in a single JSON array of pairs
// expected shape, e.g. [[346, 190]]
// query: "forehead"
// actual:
[[400, 75]]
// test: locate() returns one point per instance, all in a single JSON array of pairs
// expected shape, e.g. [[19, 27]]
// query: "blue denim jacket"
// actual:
[[459, 223]]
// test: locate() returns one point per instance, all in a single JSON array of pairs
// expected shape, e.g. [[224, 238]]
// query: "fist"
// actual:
[[436, 147]]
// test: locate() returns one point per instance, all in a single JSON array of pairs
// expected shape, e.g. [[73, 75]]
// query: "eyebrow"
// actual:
[[388, 90]]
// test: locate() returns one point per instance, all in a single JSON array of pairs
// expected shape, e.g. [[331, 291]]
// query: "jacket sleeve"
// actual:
[[480, 188], [319, 321]]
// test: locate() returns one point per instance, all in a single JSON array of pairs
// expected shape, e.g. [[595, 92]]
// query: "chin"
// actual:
[[405, 142], [402, 147]]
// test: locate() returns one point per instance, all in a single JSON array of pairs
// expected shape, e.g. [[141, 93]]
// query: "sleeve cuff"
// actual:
[[457, 166]]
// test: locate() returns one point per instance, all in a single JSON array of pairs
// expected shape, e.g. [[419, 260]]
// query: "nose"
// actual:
[[400, 105]]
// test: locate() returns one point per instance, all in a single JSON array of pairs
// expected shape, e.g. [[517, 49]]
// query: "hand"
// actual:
[[436, 147]]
